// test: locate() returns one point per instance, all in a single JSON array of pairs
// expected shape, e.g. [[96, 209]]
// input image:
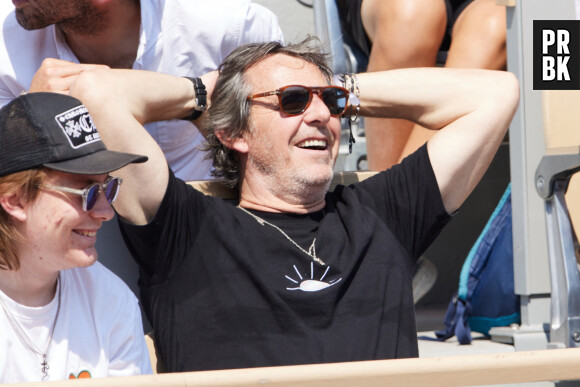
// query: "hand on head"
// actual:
[[56, 76]]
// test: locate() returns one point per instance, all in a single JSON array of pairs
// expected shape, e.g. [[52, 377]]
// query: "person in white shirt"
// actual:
[[177, 37], [62, 314]]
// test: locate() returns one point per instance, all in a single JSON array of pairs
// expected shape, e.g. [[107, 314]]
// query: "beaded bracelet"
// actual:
[[354, 89], [350, 82]]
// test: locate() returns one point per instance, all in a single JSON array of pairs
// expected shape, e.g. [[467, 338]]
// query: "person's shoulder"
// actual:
[[29, 46], [239, 21], [414, 167], [216, 9], [197, 15], [201, 8], [6, 9], [100, 281], [101, 296], [10, 25]]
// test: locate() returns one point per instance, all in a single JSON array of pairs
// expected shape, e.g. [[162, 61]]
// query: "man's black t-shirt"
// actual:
[[223, 291]]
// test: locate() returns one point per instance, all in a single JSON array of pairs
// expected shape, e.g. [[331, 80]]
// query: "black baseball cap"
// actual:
[[55, 131]]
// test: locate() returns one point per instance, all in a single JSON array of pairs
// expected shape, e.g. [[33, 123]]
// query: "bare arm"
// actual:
[[472, 108], [56, 75], [120, 102]]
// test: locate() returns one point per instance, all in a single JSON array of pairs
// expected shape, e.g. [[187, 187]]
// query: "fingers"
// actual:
[[55, 75]]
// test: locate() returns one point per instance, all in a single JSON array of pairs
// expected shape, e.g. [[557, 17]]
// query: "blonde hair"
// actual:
[[25, 183]]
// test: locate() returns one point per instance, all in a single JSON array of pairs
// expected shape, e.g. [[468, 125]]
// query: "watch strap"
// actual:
[[200, 98]]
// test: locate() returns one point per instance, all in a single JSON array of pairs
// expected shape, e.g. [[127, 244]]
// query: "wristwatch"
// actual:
[[200, 99]]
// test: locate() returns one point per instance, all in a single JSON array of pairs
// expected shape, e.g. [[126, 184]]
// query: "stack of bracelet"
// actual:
[[350, 82]]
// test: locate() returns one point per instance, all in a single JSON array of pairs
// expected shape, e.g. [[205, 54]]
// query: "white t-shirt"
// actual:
[[99, 331], [178, 37]]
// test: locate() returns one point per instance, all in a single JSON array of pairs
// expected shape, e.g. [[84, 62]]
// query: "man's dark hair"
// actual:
[[230, 108]]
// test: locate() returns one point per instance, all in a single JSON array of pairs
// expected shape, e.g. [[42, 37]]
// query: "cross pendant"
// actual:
[[44, 368]]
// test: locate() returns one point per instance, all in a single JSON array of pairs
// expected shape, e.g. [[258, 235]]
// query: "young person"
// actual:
[[62, 314]]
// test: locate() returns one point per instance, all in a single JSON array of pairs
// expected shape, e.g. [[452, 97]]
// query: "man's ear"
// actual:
[[238, 144], [12, 203]]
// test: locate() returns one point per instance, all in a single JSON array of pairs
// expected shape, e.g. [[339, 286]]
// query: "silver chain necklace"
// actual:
[[311, 250], [24, 337]]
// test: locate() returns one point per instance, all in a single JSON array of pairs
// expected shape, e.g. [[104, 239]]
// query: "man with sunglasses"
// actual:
[[292, 274], [62, 314]]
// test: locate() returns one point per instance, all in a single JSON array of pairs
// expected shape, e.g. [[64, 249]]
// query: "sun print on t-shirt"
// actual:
[[311, 284]]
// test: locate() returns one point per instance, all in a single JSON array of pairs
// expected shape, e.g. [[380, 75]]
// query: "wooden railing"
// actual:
[[471, 370]]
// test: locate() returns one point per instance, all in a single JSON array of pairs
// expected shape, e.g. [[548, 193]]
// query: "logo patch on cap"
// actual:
[[78, 126]]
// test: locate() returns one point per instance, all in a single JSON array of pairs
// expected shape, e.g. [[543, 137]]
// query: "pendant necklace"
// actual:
[[311, 250], [24, 337]]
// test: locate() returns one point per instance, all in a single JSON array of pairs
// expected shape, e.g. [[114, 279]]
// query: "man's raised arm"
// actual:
[[470, 108], [120, 102]]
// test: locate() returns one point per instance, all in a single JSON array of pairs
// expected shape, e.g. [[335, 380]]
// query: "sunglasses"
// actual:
[[90, 194], [295, 99]]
